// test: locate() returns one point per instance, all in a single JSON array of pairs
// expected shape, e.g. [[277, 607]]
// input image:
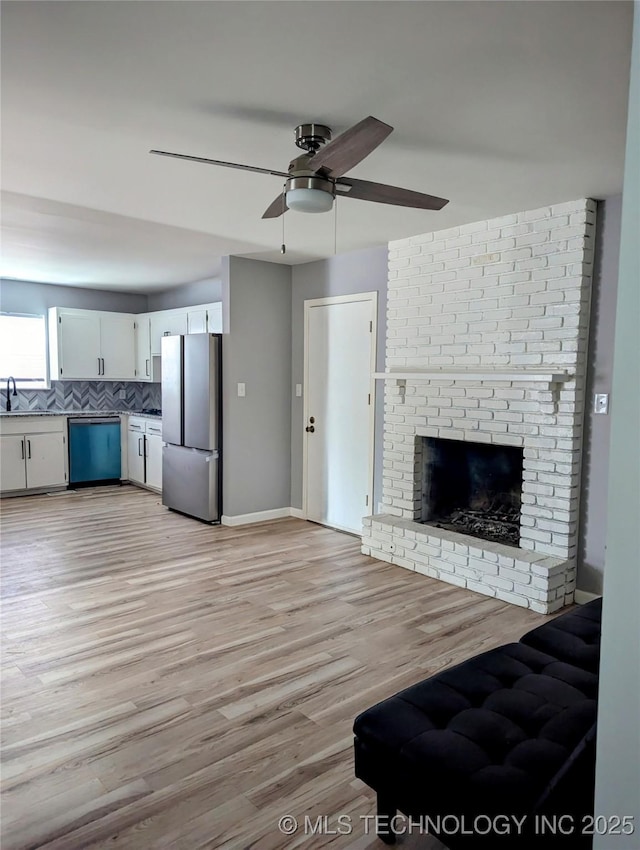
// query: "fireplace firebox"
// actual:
[[472, 488]]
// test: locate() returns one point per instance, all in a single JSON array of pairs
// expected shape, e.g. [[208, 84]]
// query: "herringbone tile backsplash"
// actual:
[[87, 395]]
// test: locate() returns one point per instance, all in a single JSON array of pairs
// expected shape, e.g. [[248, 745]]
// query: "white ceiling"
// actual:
[[497, 106]]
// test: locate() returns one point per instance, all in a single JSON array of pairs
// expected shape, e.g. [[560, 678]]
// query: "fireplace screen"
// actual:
[[472, 488]]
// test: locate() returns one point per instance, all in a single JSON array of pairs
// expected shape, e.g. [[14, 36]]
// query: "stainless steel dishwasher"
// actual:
[[94, 450]]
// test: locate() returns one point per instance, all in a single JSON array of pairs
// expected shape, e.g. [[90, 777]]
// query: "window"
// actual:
[[23, 350]]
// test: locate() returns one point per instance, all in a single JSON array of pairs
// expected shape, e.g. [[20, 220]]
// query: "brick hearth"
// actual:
[[501, 308]]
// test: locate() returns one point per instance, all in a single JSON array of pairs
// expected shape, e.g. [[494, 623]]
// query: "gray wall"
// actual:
[[199, 292], [19, 296], [344, 274], [256, 351], [618, 751], [599, 378]]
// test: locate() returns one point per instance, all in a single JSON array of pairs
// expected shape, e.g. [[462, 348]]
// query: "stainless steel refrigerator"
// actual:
[[192, 425]]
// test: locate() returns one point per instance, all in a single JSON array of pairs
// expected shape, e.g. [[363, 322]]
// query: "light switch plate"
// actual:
[[601, 403], [242, 390]]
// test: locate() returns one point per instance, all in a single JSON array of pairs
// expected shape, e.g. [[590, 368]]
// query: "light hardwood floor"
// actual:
[[168, 684]]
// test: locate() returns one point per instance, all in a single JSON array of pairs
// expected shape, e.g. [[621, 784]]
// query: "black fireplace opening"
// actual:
[[472, 488]]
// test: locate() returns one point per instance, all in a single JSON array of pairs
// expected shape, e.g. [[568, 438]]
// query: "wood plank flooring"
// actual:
[[168, 684]]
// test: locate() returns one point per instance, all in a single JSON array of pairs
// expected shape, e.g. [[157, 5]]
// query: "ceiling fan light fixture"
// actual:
[[309, 194]]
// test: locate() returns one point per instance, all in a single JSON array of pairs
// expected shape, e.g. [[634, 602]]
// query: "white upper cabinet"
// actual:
[[94, 345], [197, 321], [143, 347], [166, 323], [206, 318], [89, 345], [78, 345], [118, 347], [214, 317]]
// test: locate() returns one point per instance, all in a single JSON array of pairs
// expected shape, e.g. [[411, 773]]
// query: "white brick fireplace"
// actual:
[[487, 328]]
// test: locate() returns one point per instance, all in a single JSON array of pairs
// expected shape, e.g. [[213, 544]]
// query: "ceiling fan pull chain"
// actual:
[[335, 225], [283, 247]]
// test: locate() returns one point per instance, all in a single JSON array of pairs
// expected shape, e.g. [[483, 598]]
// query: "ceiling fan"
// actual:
[[316, 177]]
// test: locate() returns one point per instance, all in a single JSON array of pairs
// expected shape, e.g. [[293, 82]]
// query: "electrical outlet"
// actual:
[[242, 390], [298, 390], [601, 403], [122, 394]]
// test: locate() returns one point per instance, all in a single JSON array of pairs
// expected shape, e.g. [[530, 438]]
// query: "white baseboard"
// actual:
[[298, 513], [583, 596], [260, 516]]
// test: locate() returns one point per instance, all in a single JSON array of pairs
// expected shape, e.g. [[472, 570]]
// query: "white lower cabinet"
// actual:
[[144, 439], [13, 469], [135, 452], [153, 444], [45, 459], [33, 454]]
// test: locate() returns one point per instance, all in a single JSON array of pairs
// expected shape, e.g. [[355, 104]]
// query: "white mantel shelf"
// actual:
[[475, 375]]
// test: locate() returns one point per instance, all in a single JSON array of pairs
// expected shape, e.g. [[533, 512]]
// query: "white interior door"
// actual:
[[339, 362]]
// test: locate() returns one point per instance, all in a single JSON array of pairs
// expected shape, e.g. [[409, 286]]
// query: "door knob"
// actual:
[[310, 429]]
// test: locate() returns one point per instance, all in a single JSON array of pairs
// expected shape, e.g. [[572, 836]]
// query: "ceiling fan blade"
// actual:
[[221, 162], [351, 147], [277, 207], [364, 190]]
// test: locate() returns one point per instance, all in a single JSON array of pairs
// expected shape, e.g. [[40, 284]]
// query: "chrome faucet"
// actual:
[[15, 392]]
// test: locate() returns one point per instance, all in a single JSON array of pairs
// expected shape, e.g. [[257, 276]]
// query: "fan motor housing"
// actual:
[[311, 137], [318, 183]]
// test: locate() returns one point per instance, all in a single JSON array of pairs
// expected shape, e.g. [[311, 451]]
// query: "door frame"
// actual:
[[309, 304]]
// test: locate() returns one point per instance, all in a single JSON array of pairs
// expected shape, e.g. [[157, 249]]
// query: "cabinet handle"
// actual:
[[22, 448], [139, 448], [29, 449], [146, 447], [146, 367], [102, 358], [99, 372]]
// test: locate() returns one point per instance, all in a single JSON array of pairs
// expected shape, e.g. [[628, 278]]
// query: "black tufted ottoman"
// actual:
[[573, 637], [495, 750]]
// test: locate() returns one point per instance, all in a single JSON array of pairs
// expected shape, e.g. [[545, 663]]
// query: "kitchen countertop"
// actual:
[[78, 413]]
